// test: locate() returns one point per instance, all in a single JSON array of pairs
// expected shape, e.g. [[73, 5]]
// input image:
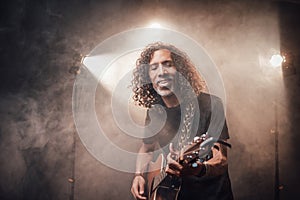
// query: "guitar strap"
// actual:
[[186, 124]]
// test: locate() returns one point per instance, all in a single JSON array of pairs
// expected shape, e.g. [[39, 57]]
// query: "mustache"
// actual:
[[164, 78]]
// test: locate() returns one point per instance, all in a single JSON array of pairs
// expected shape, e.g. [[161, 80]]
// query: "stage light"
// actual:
[[155, 25], [77, 62], [276, 60]]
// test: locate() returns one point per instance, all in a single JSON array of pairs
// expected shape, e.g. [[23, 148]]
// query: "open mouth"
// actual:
[[164, 82]]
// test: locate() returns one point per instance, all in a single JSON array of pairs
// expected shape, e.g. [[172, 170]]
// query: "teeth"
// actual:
[[163, 83]]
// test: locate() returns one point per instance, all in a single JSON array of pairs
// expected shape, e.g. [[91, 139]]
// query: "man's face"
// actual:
[[162, 72]]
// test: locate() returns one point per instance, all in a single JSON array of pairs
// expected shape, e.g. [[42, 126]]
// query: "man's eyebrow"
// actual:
[[160, 62]]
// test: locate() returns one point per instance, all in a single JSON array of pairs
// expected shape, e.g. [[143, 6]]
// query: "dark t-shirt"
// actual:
[[211, 121]]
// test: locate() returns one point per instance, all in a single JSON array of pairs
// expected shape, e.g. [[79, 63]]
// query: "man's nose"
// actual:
[[161, 69]]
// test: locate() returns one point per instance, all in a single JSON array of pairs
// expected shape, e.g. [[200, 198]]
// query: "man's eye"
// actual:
[[153, 67], [168, 63]]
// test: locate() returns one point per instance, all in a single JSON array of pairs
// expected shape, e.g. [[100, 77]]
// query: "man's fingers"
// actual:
[[141, 188], [170, 158], [172, 171], [137, 188], [175, 166], [173, 153], [140, 193], [140, 197]]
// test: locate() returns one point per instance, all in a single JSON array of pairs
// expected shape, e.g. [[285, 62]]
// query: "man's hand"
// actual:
[[185, 169], [138, 187]]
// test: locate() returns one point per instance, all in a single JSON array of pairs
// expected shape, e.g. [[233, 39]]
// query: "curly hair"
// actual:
[[143, 91]]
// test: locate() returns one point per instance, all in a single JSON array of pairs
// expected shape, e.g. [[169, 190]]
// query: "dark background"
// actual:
[[42, 156]]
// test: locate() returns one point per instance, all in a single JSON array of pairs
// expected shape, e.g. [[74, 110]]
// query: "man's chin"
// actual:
[[165, 93]]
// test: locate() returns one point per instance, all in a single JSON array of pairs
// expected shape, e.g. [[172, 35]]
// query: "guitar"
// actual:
[[160, 185]]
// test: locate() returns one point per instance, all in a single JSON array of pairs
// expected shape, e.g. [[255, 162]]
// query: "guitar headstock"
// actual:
[[196, 150]]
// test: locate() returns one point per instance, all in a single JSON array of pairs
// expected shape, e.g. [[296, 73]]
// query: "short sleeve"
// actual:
[[218, 119]]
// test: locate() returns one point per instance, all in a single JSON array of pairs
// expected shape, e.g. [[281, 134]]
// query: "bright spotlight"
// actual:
[[155, 25], [276, 60]]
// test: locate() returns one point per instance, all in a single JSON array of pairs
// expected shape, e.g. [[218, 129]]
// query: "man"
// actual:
[[165, 76]]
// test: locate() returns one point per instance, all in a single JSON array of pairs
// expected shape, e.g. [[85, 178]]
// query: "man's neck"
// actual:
[[170, 101]]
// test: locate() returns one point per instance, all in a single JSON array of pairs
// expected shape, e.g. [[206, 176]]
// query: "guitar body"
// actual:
[[161, 186], [162, 193]]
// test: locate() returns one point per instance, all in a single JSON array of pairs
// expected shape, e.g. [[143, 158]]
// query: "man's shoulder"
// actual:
[[207, 95], [203, 96], [207, 100]]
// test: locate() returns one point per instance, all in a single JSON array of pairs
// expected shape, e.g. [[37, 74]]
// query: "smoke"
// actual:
[[37, 131]]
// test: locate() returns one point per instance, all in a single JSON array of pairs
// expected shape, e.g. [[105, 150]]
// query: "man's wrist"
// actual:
[[138, 174]]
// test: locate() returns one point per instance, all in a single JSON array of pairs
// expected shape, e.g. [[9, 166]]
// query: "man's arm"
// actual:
[[218, 164], [145, 155]]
